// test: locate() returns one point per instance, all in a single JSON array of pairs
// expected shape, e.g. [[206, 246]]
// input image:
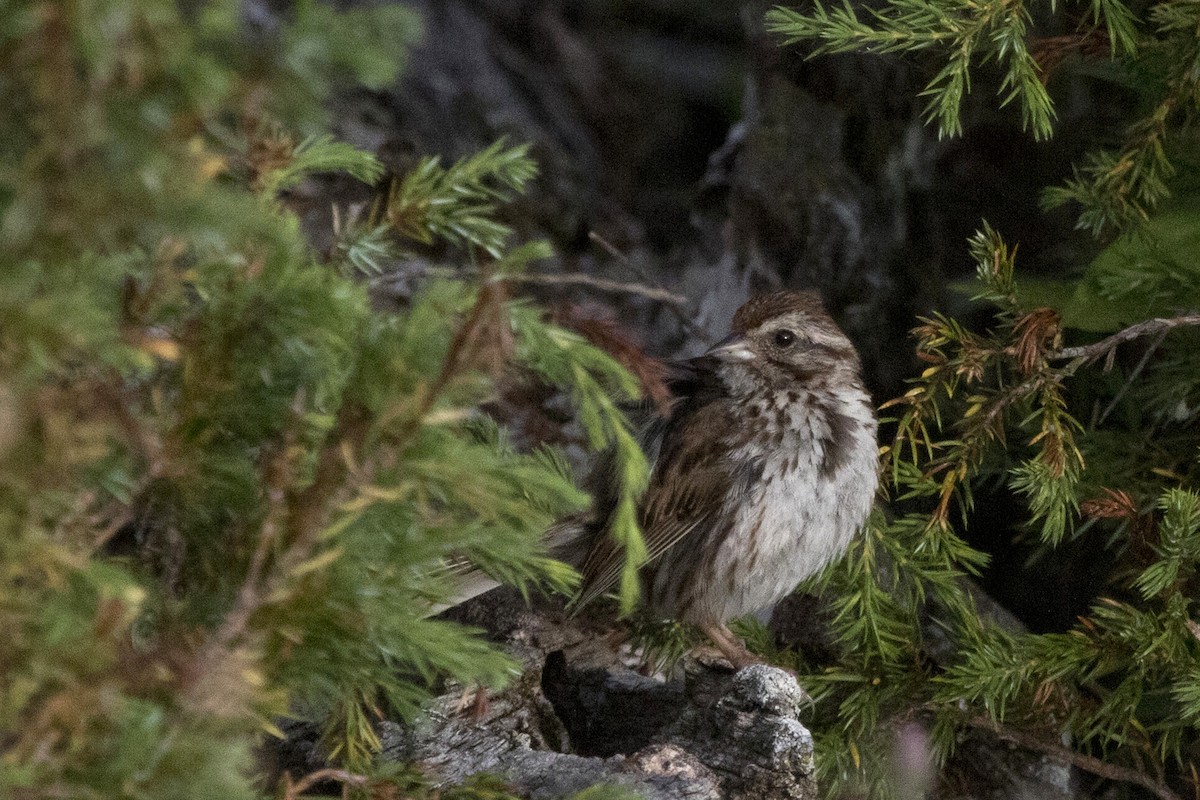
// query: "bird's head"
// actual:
[[783, 338]]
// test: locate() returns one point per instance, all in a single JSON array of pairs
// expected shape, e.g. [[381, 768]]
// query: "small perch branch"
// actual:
[[1086, 763], [1091, 352]]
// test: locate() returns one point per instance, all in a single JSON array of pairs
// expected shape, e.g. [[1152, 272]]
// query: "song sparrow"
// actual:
[[764, 471]]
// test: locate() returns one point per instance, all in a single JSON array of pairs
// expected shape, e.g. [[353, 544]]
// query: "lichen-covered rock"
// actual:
[[672, 769], [468, 731], [578, 716], [731, 736], [752, 737]]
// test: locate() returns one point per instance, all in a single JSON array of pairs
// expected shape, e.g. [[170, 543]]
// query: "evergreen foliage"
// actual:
[[1118, 187], [227, 480], [998, 407], [1097, 440]]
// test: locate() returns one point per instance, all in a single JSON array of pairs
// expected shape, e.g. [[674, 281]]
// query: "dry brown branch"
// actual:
[[292, 791], [1036, 333], [277, 475], [605, 285], [461, 346], [680, 308], [677, 303], [1111, 504], [1095, 766], [1090, 352], [489, 343], [298, 515], [1050, 51]]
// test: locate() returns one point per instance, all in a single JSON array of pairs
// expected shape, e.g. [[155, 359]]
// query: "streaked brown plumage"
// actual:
[[763, 472]]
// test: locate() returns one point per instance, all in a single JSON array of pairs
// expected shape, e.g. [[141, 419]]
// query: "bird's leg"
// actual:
[[734, 650], [731, 646]]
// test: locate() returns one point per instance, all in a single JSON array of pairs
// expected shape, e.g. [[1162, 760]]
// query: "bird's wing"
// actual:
[[689, 485]]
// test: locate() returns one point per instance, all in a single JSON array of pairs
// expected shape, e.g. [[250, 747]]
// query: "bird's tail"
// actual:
[[566, 541]]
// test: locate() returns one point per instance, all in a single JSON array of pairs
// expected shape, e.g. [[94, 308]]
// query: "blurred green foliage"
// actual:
[[228, 481]]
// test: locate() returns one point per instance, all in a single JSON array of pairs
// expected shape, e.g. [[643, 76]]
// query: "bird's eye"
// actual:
[[785, 338]]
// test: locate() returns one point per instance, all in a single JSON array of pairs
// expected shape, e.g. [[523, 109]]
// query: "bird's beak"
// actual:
[[731, 348]]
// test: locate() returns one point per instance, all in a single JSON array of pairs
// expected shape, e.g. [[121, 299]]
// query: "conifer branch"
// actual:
[[978, 389], [1091, 352], [187, 363], [298, 515]]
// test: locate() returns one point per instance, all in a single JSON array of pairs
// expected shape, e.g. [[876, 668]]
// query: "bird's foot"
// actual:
[[731, 647], [733, 650]]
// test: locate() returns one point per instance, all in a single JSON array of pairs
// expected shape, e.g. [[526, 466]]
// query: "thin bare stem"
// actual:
[[1133, 375], [680, 307], [1095, 766], [292, 791], [603, 284], [678, 304], [655, 293], [1091, 352]]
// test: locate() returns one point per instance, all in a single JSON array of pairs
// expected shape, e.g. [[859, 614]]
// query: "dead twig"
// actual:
[[293, 790], [1090, 352], [680, 307], [1133, 375], [603, 284], [678, 304], [655, 293], [1095, 766]]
